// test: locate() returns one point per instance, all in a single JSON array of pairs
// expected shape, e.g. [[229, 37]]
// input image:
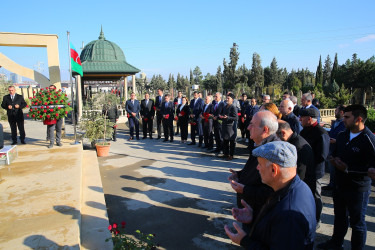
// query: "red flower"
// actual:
[[123, 224], [38, 112], [48, 116], [110, 227], [176, 118], [128, 115], [51, 102], [145, 119], [114, 225], [33, 116], [46, 88], [154, 107], [55, 96], [45, 103], [175, 103], [56, 101], [62, 101], [47, 107], [66, 95], [31, 109], [116, 232], [40, 116], [27, 115], [51, 110], [30, 98], [59, 90], [33, 92], [40, 102], [59, 95], [239, 114], [45, 111], [49, 98], [59, 108], [66, 112], [182, 113], [57, 114], [69, 103], [167, 116], [115, 126], [42, 95]]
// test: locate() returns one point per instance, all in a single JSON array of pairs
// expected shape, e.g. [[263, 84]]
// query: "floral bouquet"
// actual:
[[122, 241], [49, 105], [206, 116], [166, 116]]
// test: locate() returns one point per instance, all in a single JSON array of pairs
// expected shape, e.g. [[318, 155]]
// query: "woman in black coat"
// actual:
[[229, 115], [183, 113]]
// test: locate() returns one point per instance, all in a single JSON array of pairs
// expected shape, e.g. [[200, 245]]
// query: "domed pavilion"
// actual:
[[104, 63]]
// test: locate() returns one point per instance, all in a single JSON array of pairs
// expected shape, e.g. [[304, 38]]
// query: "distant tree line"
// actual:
[[331, 82]]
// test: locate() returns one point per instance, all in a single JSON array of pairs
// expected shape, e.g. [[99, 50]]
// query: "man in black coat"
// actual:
[[111, 112], [14, 103], [318, 139], [207, 121], [247, 182], [159, 99], [147, 114], [196, 105], [305, 159], [286, 109], [218, 107], [167, 111]]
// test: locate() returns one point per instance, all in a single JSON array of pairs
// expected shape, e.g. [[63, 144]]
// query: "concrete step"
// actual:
[[94, 222]]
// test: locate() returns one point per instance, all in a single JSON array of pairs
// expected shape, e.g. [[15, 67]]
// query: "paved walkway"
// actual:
[[181, 193]]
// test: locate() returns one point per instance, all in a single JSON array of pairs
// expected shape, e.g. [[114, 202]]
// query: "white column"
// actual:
[[133, 81], [79, 102], [126, 88]]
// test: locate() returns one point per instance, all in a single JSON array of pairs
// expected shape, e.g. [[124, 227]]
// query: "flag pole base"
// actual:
[[75, 143]]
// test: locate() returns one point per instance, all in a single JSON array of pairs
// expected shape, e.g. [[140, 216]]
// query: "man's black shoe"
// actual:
[[192, 143], [176, 133], [165, 140], [138, 138], [144, 137], [151, 138], [171, 140], [329, 245], [50, 145], [14, 143], [58, 144], [159, 137], [23, 142]]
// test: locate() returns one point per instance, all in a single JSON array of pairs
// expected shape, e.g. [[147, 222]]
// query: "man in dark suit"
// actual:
[[197, 106], [14, 103], [158, 102], [296, 108], [132, 107], [167, 110], [207, 121], [218, 107], [147, 114], [177, 101]]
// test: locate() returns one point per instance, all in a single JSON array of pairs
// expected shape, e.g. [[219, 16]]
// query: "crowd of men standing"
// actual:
[[280, 185]]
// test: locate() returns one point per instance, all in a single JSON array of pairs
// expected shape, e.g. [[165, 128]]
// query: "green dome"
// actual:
[[103, 56], [102, 50]]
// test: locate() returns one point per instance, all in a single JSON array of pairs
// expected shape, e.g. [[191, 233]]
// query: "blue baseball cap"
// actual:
[[281, 153]]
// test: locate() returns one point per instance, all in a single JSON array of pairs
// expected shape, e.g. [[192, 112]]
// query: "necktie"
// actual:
[[12, 96], [146, 102], [133, 102], [205, 108]]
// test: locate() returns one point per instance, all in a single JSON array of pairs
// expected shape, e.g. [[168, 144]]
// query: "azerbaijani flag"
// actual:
[[75, 60]]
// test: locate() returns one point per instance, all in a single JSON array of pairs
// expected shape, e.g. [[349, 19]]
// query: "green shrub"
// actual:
[[370, 123]]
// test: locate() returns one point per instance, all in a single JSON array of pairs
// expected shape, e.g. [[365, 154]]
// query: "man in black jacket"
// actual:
[[318, 139], [247, 182], [14, 103], [286, 109], [147, 114], [218, 107], [111, 112], [305, 159], [354, 159], [167, 111], [158, 102]]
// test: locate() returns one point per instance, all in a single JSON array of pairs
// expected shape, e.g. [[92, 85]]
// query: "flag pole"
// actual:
[[72, 93]]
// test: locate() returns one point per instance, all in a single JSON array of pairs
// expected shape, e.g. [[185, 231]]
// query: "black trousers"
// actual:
[[184, 130], [13, 127], [168, 128], [242, 126], [193, 132], [159, 118], [147, 127], [218, 138], [208, 136], [134, 124], [228, 147]]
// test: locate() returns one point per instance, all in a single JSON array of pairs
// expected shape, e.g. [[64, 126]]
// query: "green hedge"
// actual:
[[370, 123]]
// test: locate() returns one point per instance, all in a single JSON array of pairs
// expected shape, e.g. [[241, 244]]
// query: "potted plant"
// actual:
[[96, 129]]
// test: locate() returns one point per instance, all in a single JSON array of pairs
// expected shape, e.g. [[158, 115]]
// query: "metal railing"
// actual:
[[327, 112]]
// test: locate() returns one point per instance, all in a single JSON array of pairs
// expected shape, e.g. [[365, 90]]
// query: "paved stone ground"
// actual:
[[181, 193]]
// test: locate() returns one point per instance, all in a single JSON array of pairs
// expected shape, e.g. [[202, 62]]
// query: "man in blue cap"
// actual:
[[287, 220]]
